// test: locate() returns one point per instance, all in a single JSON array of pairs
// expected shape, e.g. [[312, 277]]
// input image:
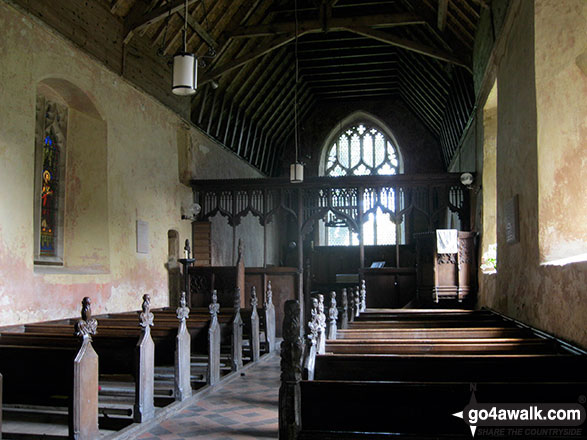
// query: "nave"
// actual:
[[242, 409]]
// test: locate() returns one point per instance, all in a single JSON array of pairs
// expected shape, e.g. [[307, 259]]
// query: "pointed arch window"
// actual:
[[51, 133], [363, 149]]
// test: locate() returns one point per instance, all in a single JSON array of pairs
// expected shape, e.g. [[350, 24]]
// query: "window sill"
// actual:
[[44, 269]]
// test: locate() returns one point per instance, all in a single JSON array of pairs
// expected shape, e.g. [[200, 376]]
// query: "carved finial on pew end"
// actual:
[[146, 316], [321, 323], [291, 372], [332, 316], [269, 295], [237, 299], [292, 346], [363, 295], [214, 307], [87, 326], [344, 321], [254, 300], [183, 311], [312, 339]]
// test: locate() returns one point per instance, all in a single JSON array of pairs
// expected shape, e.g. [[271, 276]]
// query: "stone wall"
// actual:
[[541, 157], [127, 163]]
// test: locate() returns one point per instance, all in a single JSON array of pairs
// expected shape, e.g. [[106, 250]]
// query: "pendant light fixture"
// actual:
[[296, 169], [185, 66]]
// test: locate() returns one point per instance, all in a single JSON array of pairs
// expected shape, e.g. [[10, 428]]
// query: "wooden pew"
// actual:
[[125, 350], [352, 409], [36, 373], [470, 368], [429, 378], [432, 333]]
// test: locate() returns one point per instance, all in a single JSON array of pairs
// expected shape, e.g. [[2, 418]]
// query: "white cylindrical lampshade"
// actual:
[[296, 173], [185, 74]]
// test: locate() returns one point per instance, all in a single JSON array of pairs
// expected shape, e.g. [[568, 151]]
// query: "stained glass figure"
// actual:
[[49, 199]]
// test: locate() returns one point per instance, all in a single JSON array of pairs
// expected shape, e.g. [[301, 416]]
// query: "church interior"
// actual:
[[222, 166]]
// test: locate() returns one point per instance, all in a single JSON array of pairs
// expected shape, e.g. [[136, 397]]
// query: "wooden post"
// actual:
[[144, 408], [300, 249], [344, 321], [332, 316], [254, 342], [236, 344], [357, 301], [311, 341], [213, 375], [321, 319], [183, 386], [291, 373], [363, 296], [269, 310], [83, 419], [351, 302], [361, 209]]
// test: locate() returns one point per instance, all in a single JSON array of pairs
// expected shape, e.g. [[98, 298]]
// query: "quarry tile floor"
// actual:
[[245, 408]]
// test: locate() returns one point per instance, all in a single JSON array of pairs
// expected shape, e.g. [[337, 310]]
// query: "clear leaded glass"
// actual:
[[361, 150]]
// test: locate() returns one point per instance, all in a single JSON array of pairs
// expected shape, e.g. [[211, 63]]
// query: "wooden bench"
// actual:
[[428, 370], [40, 374]]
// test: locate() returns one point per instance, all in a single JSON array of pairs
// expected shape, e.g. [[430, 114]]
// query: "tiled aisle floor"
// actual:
[[246, 408]]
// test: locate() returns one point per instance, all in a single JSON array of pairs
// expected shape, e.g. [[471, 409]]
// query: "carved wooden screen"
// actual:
[[418, 201]]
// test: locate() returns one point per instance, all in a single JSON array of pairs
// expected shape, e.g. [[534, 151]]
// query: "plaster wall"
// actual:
[[201, 158], [134, 177], [548, 297], [561, 102]]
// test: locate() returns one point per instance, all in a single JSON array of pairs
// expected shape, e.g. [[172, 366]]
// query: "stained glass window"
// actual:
[[49, 199], [51, 130], [361, 150]]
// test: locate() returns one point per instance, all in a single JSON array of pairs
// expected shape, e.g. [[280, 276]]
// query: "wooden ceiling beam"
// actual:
[[198, 29], [348, 62], [417, 107], [353, 83], [358, 95], [358, 90], [285, 110], [343, 69], [287, 118], [442, 12], [381, 51], [413, 46], [302, 115], [346, 79], [269, 111], [137, 20], [252, 55], [261, 88], [283, 85], [334, 24]]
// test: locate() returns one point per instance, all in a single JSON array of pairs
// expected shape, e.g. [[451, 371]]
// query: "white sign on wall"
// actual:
[[142, 237]]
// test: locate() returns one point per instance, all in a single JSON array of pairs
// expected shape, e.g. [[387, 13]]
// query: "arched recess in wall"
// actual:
[[362, 145], [74, 236]]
